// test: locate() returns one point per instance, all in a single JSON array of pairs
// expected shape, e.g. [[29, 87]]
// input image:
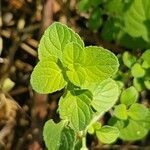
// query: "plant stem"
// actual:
[[96, 117], [84, 147]]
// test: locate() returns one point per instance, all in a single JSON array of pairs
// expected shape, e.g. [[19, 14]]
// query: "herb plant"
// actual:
[[138, 69], [131, 117], [84, 73]]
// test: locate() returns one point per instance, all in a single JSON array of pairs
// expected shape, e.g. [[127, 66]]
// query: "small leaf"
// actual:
[[75, 107], [146, 56], [147, 84], [94, 127], [73, 56], [54, 40], [105, 95], [107, 134], [99, 65], [138, 84], [120, 84], [129, 96], [58, 136], [128, 59], [121, 111], [47, 78], [138, 112], [131, 130], [137, 71], [91, 130], [145, 65]]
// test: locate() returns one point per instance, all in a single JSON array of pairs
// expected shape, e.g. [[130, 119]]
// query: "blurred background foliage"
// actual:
[[122, 26]]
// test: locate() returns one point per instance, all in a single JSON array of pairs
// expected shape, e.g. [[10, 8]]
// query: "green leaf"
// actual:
[[120, 84], [54, 40], [47, 78], [91, 130], [95, 126], [128, 59], [73, 56], [145, 65], [147, 84], [146, 56], [107, 134], [67, 139], [52, 134], [75, 107], [147, 120], [58, 136], [131, 130], [136, 19], [121, 111], [129, 96], [137, 70], [105, 95], [138, 112], [138, 84], [99, 65], [78, 144], [93, 63]]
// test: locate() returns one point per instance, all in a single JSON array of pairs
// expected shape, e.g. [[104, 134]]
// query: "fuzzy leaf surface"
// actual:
[[129, 96], [105, 95], [99, 65], [75, 107], [107, 134], [54, 40], [131, 130], [73, 57], [94, 64], [57, 136], [138, 112], [47, 77], [121, 111]]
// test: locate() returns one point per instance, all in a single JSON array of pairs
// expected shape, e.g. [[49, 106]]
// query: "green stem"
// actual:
[[96, 117], [84, 147], [83, 133]]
